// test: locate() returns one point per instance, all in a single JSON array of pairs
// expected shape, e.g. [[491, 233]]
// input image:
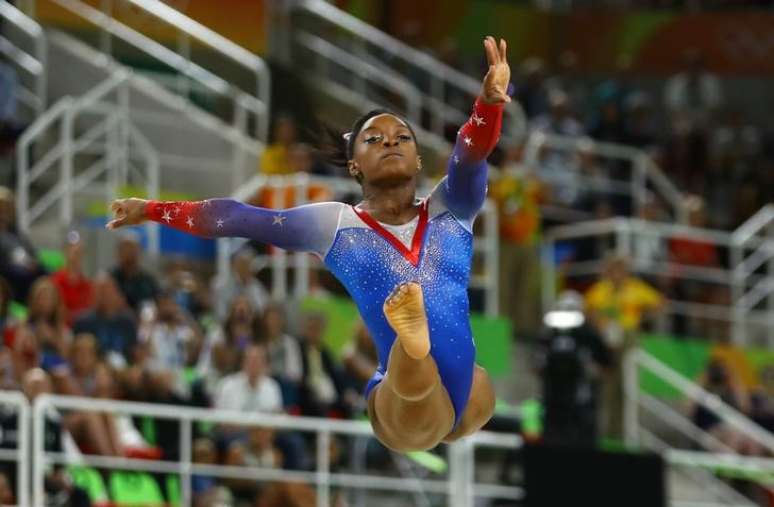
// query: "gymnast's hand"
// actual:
[[494, 90], [127, 212]]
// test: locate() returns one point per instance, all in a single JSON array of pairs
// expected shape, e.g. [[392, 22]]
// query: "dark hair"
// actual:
[[337, 150]]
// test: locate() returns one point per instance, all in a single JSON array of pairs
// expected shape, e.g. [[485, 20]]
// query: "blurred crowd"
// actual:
[[128, 334]]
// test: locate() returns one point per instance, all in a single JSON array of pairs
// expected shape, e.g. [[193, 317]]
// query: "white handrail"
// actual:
[[23, 439], [440, 74], [643, 167], [256, 101], [323, 428], [32, 63], [729, 415]]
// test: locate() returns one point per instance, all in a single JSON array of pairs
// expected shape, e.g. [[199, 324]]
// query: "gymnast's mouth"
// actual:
[[392, 154]]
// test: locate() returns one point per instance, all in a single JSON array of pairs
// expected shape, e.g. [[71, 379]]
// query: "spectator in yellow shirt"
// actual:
[[276, 156], [617, 304]]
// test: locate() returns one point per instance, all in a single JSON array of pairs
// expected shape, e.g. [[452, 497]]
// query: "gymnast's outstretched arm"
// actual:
[[308, 228], [464, 188]]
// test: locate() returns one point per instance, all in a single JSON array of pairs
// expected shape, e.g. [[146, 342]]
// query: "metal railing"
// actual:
[[486, 242], [30, 60], [722, 457], [250, 104], [21, 455], [439, 84], [645, 177], [752, 255], [92, 126], [459, 485], [646, 245]]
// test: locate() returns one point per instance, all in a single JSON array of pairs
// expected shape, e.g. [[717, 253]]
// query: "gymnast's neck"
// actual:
[[392, 204]]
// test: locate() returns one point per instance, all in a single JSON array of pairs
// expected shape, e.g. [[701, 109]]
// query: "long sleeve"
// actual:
[[464, 188], [308, 228]]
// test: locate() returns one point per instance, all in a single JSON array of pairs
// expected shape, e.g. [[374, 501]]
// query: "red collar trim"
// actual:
[[416, 243]]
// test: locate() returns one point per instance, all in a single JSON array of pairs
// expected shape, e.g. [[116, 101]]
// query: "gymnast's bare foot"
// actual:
[[405, 311]]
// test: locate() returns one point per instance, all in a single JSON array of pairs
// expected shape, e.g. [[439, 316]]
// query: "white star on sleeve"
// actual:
[[468, 141], [279, 220], [477, 120], [190, 222], [166, 216], [219, 223]]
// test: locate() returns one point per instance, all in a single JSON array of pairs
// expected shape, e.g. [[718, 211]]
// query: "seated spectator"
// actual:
[[360, 358], [22, 355], [164, 340], [46, 317], [18, 258], [84, 359], [532, 92], [111, 322], [695, 92], [322, 386], [690, 250], [206, 490], [559, 120], [723, 382], [137, 285], [251, 389], [285, 361], [224, 346], [75, 288], [5, 310], [258, 451], [241, 281], [275, 158]]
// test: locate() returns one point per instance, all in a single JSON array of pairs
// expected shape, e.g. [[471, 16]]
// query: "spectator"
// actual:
[[518, 194], [5, 310], [46, 318], [322, 383], [258, 451], [532, 94], [205, 488], [224, 346], [617, 304], [137, 285], [570, 357], [360, 358], [285, 356], [75, 288], [694, 93], [567, 79], [721, 381], [110, 322], [23, 355], [559, 120], [18, 258], [241, 281], [275, 158], [250, 390], [164, 341]]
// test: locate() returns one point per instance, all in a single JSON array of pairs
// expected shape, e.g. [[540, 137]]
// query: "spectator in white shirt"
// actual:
[[250, 390], [284, 351], [694, 93]]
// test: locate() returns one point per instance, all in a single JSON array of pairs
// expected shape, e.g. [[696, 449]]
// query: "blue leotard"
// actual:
[[371, 259]]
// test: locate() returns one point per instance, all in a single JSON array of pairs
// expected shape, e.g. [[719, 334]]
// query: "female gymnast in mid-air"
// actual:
[[405, 262]]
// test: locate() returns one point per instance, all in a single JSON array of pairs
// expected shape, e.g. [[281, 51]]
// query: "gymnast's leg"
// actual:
[[410, 409], [480, 407]]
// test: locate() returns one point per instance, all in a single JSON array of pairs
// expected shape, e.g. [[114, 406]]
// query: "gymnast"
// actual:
[[405, 261]]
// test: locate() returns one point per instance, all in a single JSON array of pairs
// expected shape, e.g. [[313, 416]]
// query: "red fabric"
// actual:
[[416, 243], [693, 252], [478, 143], [77, 294]]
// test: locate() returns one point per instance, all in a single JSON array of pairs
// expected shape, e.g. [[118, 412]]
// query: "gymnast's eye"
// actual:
[[373, 139], [404, 137]]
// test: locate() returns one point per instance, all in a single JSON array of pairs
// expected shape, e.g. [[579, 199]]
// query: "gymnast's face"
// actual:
[[385, 151]]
